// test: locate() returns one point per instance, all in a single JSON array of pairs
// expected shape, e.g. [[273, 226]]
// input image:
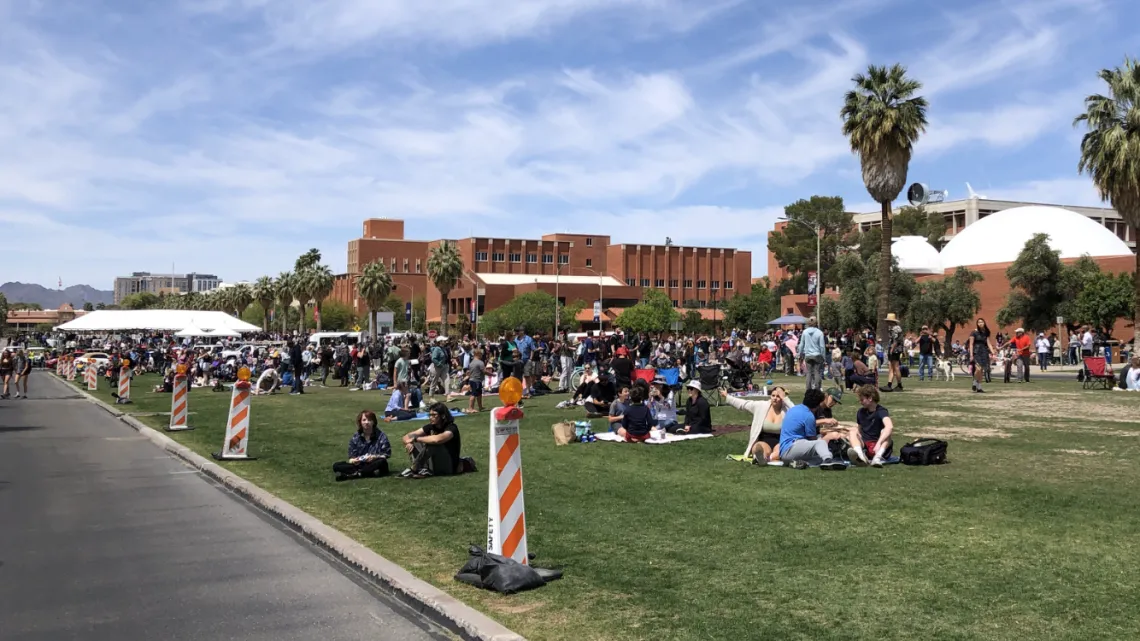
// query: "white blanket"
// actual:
[[669, 438]]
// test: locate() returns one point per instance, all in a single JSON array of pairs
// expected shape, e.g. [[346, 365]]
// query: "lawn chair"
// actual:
[[646, 375], [709, 377], [672, 377], [1098, 373]]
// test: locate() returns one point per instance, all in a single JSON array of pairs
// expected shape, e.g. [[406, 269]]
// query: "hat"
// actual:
[[835, 393], [891, 318], [1019, 330], [694, 384]]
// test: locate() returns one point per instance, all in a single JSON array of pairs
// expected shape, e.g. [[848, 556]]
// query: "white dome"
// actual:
[[1000, 237], [916, 256]]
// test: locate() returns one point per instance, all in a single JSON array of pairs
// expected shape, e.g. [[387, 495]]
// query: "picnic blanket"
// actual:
[[423, 416], [894, 460], [669, 438]]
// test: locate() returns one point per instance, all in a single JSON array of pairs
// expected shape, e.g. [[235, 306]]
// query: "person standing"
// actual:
[[566, 363], [980, 346], [7, 371], [810, 351], [925, 355], [296, 360], [21, 370], [524, 368], [1044, 351], [1022, 347], [1087, 341], [476, 374]]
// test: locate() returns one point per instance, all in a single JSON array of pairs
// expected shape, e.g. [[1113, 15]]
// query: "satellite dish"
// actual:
[[917, 194]]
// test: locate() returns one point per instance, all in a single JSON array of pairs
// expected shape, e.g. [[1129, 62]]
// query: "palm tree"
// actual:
[[303, 285], [285, 287], [265, 293], [240, 297], [322, 286], [444, 267], [882, 119], [374, 284], [1110, 154]]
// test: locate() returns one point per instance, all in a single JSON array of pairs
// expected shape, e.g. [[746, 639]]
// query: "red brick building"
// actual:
[[569, 266]]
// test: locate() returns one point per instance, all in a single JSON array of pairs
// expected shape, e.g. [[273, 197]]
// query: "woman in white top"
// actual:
[[1043, 352]]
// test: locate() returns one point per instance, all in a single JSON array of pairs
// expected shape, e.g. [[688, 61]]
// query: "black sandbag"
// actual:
[[499, 573]]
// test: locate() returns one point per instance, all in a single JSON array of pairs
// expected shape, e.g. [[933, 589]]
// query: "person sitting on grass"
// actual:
[[873, 434], [618, 407], [267, 383], [662, 407], [770, 417], [589, 377], [698, 416], [368, 451], [636, 419], [602, 394], [800, 445], [433, 449], [402, 404]]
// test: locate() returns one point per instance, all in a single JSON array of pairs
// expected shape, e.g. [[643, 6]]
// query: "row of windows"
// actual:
[[702, 304], [392, 269], [547, 259], [660, 283]]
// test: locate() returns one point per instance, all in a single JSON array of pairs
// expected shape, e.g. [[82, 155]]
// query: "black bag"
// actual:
[[924, 451], [501, 574]]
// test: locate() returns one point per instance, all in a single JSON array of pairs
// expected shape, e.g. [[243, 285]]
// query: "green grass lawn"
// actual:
[[1029, 533]]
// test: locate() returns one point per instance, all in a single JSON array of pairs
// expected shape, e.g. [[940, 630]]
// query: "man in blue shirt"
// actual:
[[811, 349], [525, 345], [800, 445]]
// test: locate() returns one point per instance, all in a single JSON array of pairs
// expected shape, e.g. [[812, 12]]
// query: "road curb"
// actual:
[[420, 595]]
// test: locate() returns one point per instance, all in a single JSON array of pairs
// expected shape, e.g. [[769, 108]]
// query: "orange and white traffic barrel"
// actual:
[[180, 401], [506, 513], [236, 445]]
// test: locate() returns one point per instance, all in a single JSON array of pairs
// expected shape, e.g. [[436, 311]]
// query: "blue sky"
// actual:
[[228, 136]]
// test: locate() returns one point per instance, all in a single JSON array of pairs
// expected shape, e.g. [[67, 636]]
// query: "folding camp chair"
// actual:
[[671, 376], [710, 379], [646, 375], [1098, 373]]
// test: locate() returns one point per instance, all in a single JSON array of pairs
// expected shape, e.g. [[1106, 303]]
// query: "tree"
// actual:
[[882, 119], [395, 304], [909, 221], [828, 314], [946, 304], [240, 296], [285, 285], [3, 313], [1104, 299], [1035, 295], [532, 310], [373, 285], [752, 310], [337, 317], [693, 323], [445, 266], [322, 280], [654, 313], [568, 315], [419, 314], [858, 292], [265, 292], [794, 247], [305, 287], [1075, 277], [1110, 154], [88, 307], [141, 300], [28, 307], [311, 258]]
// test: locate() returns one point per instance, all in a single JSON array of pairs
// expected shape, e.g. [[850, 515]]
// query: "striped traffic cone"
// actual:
[[236, 445], [124, 395], [70, 368], [180, 401], [506, 515], [91, 374]]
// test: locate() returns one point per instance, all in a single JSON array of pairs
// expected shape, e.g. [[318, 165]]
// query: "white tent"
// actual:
[[154, 320], [223, 333], [191, 332]]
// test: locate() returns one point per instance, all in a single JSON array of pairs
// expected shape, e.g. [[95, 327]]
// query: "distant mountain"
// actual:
[[53, 298]]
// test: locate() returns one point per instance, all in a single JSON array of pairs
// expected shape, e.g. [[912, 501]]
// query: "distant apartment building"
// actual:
[[570, 266], [156, 284]]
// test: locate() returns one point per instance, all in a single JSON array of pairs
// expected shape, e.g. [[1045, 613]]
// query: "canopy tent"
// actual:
[[223, 333], [789, 319], [191, 332], [154, 320]]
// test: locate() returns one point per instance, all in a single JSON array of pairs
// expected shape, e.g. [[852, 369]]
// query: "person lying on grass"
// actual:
[[433, 450], [800, 445], [770, 417], [873, 433], [636, 419], [368, 451]]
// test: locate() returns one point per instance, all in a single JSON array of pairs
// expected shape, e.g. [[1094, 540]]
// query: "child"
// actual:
[[873, 434], [636, 420]]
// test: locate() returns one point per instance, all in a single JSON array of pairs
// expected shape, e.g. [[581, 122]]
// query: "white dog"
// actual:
[[943, 368]]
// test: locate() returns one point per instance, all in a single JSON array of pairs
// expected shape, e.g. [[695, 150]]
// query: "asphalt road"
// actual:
[[103, 536]]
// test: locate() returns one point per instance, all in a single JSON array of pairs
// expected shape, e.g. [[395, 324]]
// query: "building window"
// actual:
[[688, 283], [630, 281], [532, 258], [405, 265], [589, 242], [516, 257], [548, 259], [497, 257], [673, 283], [675, 303], [645, 282], [716, 284], [700, 284], [481, 257], [703, 303], [418, 266], [728, 284], [589, 262], [564, 259], [659, 283], [393, 268]]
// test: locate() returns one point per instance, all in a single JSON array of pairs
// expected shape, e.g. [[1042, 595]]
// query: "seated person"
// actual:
[[434, 449], [618, 407], [402, 404], [368, 451], [873, 434], [602, 393], [662, 407], [824, 421], [861, 373], [589, 377], [167, 384], [636, 419], [267, 383], [770, 416], [800, 445], [698, 417], [1130, 377]]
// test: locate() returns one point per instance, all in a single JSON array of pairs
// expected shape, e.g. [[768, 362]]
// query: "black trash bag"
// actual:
[[501, 574]]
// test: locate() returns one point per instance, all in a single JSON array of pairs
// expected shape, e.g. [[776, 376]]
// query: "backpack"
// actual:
[[924, 451]]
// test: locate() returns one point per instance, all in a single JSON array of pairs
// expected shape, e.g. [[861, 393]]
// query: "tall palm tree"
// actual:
[[882, 119], [240, 297], [444, 266], [1110, 153], [303, 285], [322, 285], [374, 284], [285, 287], [265, 293]]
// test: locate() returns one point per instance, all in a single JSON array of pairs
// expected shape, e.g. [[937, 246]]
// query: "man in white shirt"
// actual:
[[1086, 341]]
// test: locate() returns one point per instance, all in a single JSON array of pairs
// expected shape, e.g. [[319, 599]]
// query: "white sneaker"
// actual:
[[877, 462], [857, 457]]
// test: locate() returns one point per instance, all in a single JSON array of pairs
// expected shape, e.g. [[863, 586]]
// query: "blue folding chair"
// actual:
[[672, 376]]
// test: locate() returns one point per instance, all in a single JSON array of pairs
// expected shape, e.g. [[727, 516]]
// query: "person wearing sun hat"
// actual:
[[698, 418], [1022, 346], [894, 349]]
